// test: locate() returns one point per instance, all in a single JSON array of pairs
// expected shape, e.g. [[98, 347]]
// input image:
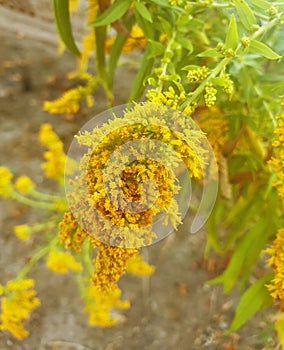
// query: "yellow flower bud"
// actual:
[[6, 187], [138, 266], [62, 262], [24, 184], [23, 232]]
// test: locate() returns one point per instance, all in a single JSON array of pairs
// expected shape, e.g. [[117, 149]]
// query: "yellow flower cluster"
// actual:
[[132, 178], [70, 101], [228, 86], [276, 261], [113, 224], [277, 162], [6, 186], [24, 184], [216, 128], [171, 99], [176, 2], [99, 305], [73, 5], [210, 95], [70, 233], [110, 264], [23, 232], [136, 40], [197, 74], [141, 122], [54, 156], [138, 266], [88, 43], [62, 262], [18, 300]]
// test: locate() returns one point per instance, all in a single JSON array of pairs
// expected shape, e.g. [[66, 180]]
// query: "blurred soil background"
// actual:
[[174, 308]]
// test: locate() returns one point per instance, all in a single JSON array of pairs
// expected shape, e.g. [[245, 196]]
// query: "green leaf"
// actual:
[[272, 87], [262, 4], [113, 13], [254, 298], [219, 81], [156, 48], [116, 49], [242, 249], [245, 13], [190, 67], [279, 326], [213, 240], [185, 43], [210, 53], [259, 243], [145, 69], [232, 38], [63, 24], [263, 50], [143, 11], [166, 4]]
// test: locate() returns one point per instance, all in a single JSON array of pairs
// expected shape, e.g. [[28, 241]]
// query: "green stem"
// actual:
[[116, 49], [265, 28], [166, 60], [86, 257], [32, 203], [81, 285], [213, 74], [224, 63], [44, 196], [100, 34], [145, 69], [35, 258]]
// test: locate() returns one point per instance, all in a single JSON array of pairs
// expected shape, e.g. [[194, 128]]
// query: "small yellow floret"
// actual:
[[23, 232], [24, 184], [19, 300], [62, 262], [6, 187], [138, 266]]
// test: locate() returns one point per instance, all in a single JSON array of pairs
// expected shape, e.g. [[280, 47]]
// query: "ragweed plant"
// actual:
[[218, 63]]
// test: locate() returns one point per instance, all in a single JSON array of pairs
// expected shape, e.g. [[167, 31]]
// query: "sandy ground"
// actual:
[[173, 309]]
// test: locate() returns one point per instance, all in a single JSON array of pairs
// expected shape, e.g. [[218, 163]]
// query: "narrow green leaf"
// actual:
[[259, 243], [232, 38], [156, 48], [138, 86], [245, 13], [254, 298], [143, 11], [263, 50], [279, 326], [262, 4], [213, 240], [185, 43], [210, 53], [116, 49], [63, 24], [219, 81], [273, 87], [147, 29], [190, 67], [238, 259], [166, 4], [114, 12]]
